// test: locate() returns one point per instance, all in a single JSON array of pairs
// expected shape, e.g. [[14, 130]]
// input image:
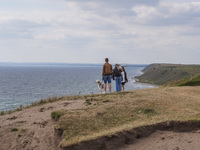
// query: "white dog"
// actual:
[[100, 86]]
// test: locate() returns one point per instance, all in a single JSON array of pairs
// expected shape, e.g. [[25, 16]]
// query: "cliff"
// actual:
[[160, 74]]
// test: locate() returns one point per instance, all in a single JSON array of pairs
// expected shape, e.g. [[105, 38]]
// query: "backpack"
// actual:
[[116, 72]]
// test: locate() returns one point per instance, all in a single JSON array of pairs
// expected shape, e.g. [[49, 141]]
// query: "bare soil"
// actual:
[[167, 140], [35, 128]]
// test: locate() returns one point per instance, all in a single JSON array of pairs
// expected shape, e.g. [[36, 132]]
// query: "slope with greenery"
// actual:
[[188, 81], [163, 73]]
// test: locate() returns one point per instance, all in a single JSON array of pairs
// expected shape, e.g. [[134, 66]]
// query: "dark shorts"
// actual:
[[107, 78], [123, 83]]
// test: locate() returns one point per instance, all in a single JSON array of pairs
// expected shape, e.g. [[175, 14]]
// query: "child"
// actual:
[[124, 77]]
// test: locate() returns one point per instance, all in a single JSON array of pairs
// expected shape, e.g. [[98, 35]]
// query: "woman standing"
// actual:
[[117, 77], [124, 77]]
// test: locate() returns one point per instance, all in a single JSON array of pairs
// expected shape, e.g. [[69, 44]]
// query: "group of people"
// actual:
[[118, 74]]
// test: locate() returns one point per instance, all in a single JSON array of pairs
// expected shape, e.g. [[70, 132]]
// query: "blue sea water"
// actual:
[[22, 84]]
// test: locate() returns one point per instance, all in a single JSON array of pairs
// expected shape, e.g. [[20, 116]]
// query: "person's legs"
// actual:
[[109, 83], [105, 82], [110, 87], [116, 84], [105, 87], [122, 87], [120, 83]]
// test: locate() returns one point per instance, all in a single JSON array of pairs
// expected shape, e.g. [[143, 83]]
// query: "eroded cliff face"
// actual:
[[119, 140]]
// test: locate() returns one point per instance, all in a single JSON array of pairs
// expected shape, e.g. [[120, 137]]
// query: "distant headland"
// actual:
[[174, 74]]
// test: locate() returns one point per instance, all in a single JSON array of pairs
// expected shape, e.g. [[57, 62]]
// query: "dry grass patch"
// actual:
[[111, 113]]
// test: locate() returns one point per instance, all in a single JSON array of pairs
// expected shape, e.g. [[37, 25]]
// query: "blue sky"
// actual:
[[88, 31]]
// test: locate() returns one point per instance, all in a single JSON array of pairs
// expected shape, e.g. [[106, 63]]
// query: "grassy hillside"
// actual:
[[189, 81], [163, 73], [112, 113]]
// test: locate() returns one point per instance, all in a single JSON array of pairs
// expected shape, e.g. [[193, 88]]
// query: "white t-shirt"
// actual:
[[123, 76]]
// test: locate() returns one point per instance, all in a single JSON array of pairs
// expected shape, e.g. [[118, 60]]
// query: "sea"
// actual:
[[22, 84]]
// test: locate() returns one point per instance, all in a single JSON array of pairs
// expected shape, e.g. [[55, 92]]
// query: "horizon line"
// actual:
[[65, 63]]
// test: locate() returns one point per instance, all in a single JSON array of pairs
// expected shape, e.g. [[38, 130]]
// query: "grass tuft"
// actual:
[[2, 113], [57, 114], [148, 111], [19, 135], [14, 129], [23, 130]]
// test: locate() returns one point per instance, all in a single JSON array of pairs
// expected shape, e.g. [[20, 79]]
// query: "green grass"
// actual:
[[19, 135], [194, 82], [57, 114], [23, 130], [163, 73], [2, 113], [147, 111], [14, 129], [189, 81]]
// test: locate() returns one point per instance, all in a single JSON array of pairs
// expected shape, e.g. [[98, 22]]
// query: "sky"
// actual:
[[88, 31]]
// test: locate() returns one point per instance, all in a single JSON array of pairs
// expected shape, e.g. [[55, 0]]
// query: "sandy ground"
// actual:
[[166, 140], [35, 127]]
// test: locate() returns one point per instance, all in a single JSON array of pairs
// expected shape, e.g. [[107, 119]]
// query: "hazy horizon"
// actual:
[[87, 63]]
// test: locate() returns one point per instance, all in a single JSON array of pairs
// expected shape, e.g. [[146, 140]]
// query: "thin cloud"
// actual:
[[166, 14], [77, 31]]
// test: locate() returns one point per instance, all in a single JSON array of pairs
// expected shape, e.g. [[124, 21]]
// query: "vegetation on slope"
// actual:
[[111, 113], [189, 81], [192, 82], [163, 73]]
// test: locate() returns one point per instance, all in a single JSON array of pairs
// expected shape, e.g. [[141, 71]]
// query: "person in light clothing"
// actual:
[[124, 77]]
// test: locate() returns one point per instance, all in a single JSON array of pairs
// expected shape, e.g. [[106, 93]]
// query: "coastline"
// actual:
[[24, 84], [133, 84]]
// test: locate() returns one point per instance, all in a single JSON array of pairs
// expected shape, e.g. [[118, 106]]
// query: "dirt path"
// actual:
[[35, 128], [166, 140]]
